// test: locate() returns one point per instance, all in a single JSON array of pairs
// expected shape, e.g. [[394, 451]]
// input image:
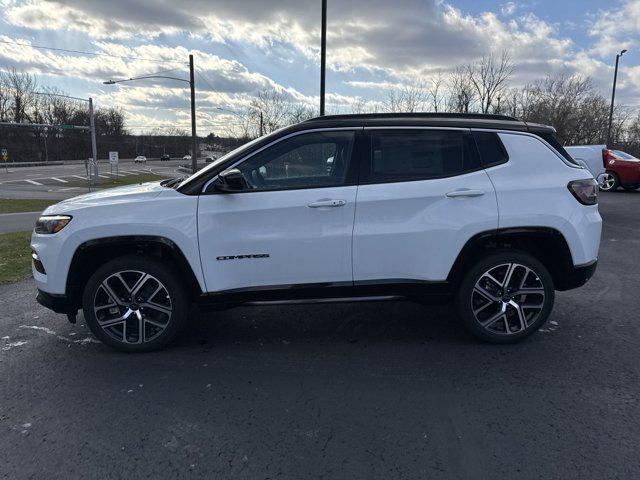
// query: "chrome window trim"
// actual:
[[416, 127], [536, 137], [293, 134]]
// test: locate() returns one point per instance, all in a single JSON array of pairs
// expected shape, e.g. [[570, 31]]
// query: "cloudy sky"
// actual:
[[244, 46]]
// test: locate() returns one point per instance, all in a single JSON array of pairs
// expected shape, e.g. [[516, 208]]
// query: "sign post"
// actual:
[[113, 162], [5, 158]]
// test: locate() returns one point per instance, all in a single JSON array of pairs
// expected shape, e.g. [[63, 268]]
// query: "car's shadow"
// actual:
[[327, 324]]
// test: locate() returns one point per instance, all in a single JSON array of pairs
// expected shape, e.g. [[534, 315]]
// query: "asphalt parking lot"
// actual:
[[385, 390]]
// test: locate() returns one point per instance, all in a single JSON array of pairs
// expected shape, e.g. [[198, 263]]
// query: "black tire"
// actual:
[[614, 185], [469, 299], [164, 314]]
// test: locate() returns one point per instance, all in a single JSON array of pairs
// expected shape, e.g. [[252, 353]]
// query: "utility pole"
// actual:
[[261, 124], [613, 98], [194, 138], [323, 55], [92, 127], [45, 131]]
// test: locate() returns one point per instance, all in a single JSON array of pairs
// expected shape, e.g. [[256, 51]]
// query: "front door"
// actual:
[[292, 223]]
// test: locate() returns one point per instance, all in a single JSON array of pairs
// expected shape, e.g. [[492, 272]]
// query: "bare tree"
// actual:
[[270, 109], [408, 98], [21, 87], [436, 96], [359, 106], [462, 95], [300, 112], [489, 78]]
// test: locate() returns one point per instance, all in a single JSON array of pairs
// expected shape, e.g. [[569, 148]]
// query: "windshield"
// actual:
[[226, 157], [623, 155], [219, 161]]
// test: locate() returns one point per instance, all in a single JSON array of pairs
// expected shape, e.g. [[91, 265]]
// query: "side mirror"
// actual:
[[601, 179], [230, 181]]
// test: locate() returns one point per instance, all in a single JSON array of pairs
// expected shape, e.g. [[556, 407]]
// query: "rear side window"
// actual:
[[491, 150], [406, 155]]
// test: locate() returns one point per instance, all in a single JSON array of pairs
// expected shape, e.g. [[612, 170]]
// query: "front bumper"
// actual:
[[57, 303], [577, 276]]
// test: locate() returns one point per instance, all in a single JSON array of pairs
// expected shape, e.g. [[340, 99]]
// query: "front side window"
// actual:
[[308, 160], [406, 155]]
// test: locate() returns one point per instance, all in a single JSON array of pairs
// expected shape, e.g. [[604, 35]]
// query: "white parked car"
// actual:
[[590, 156], [140, 159], [478, 209], [187, 157]]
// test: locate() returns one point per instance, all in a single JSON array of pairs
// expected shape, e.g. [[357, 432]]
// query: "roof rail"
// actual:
[[425, 115]]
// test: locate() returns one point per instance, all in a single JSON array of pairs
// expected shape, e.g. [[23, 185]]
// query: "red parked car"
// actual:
[[621, 170]]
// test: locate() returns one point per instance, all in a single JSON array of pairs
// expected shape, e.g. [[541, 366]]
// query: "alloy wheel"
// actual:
[[608, 182], [507, 299], [132, 307]]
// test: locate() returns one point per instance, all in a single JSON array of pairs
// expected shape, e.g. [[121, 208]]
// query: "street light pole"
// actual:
[[192, 85], [323, 55], [613, 97], [194, 137]]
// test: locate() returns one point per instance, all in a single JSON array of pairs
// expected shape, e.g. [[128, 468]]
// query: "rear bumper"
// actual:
[[57, 303], [577, 276]]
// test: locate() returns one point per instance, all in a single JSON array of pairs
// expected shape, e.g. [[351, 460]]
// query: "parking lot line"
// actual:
[[59, 180], [33, 182], [79, 176]]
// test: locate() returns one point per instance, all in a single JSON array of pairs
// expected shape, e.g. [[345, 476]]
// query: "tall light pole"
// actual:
[[194, 136], [613, 97], [323, 55], [192, 85]]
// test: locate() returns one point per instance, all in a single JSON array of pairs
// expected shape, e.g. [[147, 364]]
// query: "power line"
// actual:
[[98, 54], [204, 80]]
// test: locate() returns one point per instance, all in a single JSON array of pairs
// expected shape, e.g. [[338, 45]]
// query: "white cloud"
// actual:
[[617, 28], [373, 45]]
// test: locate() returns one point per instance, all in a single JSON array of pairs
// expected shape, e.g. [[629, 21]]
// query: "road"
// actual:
[[374, 391], [53, 181], [17, 222]]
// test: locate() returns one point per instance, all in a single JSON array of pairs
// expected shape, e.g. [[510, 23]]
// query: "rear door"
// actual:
[[422, 195]]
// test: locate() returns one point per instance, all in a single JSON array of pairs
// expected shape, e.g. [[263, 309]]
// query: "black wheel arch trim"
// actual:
[[136, 244], [558, 260]]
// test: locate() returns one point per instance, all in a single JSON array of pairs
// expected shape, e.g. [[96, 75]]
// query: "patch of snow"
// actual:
[[11, 345]]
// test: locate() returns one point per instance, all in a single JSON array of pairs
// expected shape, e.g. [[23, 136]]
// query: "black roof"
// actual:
[[461, 120]]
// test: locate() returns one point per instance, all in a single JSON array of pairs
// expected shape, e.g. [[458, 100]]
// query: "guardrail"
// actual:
[[31, 164]]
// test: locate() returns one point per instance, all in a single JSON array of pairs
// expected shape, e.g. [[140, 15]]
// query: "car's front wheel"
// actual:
[[135, 304], [505, 297]]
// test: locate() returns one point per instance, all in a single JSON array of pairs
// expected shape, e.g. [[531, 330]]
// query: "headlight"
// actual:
[[49, 224]]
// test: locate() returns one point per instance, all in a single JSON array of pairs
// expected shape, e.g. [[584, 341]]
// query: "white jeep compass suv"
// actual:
[[486, 210]]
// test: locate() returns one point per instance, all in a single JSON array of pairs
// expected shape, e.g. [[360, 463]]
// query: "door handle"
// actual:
[[465, 192], [327, 203]]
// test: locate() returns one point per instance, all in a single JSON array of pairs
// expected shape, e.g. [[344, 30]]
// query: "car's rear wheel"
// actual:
[[135, 304], [505, 297], [610, 182]]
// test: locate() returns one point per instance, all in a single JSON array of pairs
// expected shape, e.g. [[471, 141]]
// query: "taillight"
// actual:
[[585, 191], [608, 157]]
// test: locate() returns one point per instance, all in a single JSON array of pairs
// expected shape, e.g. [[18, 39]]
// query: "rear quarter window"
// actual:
[[490, 148], [551, 139]]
